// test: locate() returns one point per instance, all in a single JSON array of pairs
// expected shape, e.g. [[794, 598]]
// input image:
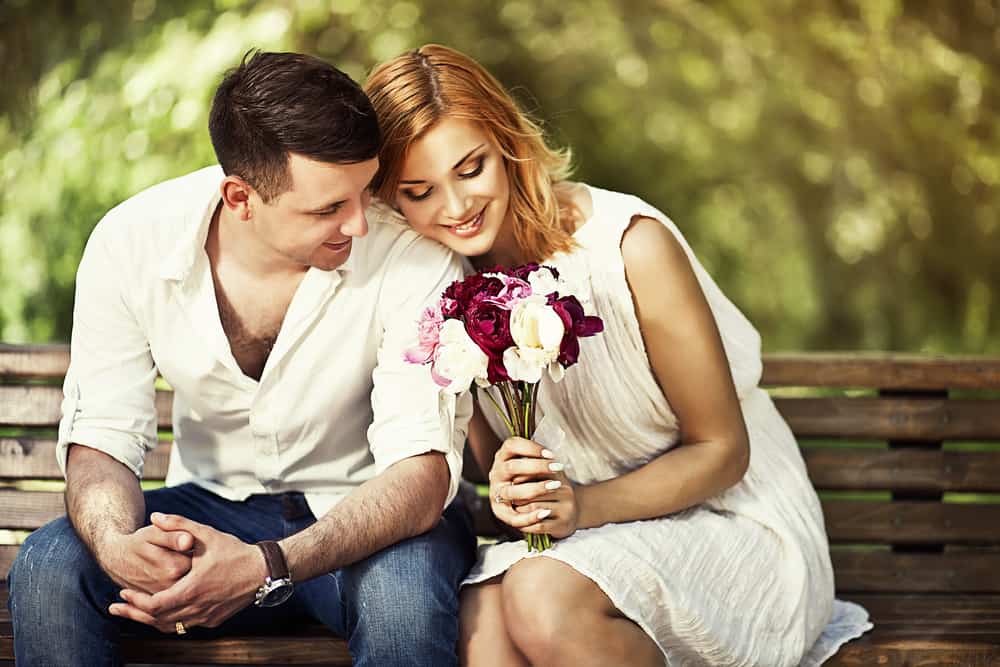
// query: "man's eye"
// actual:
[[328, 212], [475, 171], [417, 196]]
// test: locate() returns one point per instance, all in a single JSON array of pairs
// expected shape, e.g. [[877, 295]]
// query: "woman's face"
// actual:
[[453, 187]]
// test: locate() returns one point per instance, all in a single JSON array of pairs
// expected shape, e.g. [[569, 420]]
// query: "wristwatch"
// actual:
[[277, 586]]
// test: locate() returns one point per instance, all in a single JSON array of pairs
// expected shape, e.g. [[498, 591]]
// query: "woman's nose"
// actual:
[[455, 203]]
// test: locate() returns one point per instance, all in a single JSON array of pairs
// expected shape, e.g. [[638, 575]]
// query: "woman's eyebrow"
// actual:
[[466, 156], [457, 165]]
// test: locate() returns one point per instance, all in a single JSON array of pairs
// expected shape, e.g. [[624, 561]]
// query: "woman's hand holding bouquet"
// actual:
[[529, 490], [505, 328]]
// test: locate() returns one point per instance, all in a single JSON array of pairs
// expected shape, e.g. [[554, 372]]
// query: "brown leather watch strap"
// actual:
[[277, 567]]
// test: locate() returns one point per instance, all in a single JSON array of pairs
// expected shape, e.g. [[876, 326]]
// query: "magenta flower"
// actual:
[[578, 325], [514, 289], [460, 296], [488, 324]]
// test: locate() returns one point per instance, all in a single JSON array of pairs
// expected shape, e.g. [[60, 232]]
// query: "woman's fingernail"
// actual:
[[543, 513], [556, 467], [553, 485], [547, 454]]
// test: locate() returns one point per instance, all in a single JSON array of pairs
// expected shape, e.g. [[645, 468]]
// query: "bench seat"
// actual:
[[910, 630]]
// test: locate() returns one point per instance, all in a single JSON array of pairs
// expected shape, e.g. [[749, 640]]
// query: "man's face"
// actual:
[[315, 220]]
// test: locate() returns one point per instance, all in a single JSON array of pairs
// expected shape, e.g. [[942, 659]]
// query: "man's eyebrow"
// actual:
[[457, 165], [327, 207]]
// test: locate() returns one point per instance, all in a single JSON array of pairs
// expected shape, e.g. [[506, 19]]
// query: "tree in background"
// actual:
[[835, 165]]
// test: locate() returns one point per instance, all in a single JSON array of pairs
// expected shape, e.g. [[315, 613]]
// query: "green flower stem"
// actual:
[[500, 412], [520, 401]]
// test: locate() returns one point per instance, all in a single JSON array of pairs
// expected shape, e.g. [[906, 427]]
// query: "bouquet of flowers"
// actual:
[[504, 328]]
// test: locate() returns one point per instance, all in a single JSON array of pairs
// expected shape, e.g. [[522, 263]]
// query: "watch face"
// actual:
[[279, 591]]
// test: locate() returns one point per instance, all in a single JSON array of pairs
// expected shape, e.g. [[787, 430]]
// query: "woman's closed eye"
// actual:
[[475, 171], [414, 195]]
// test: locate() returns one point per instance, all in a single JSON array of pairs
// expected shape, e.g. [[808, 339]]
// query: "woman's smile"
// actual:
[[470, 228]]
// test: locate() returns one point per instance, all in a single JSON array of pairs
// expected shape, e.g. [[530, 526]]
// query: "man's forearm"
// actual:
[[102, 496], [402, 502]]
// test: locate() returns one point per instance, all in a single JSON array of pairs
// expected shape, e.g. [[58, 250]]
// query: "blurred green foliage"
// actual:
[[836, 165]]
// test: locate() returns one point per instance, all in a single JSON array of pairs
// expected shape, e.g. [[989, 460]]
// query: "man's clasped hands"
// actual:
[[177, 569]]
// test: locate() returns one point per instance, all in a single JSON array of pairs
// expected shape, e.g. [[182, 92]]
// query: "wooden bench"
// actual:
[[896, 445]]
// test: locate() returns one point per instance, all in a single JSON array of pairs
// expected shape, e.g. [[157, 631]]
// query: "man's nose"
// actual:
[[357, 224]]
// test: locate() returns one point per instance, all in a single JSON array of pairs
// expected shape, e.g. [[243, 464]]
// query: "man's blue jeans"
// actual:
[[399, 606]]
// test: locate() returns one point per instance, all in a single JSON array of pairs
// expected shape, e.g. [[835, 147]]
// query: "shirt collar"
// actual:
[[204, 198]]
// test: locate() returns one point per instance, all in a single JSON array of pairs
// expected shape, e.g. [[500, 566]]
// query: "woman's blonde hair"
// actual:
[[415, 90]]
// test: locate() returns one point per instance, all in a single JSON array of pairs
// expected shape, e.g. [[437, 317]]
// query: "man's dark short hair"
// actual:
[[274, 104]]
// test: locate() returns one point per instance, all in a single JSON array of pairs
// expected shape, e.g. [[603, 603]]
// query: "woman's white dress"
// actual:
[[741, 579]]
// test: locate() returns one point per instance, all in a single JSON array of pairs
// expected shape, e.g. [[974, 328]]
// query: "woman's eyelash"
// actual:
[[416, 197], [478, 169]]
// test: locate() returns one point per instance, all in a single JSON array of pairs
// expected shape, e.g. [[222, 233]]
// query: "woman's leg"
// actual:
[[556, 616], [483, 638]]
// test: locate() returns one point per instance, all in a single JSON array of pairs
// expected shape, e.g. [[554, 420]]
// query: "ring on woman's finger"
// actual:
[[499, 497]]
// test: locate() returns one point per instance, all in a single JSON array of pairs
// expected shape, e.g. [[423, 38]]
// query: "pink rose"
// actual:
[[428, 337]]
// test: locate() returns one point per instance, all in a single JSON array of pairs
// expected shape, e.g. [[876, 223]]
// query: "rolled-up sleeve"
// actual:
[[109, 392], [412, 415]]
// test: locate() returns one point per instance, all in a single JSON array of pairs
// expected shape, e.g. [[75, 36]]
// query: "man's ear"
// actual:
[[237, 195]]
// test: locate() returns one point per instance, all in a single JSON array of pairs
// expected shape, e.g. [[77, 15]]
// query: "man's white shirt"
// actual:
[[336, 403]]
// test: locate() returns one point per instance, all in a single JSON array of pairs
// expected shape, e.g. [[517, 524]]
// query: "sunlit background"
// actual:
[[836, 165]]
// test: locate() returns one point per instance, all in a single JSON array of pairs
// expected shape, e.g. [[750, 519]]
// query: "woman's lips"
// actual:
[[470, 228]]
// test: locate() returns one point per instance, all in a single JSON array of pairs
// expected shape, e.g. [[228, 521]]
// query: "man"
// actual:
[[311, 464]]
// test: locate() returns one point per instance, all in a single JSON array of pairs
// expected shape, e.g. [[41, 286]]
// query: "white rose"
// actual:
[[459, 359], [543, 282], [537, 332], [534, 324], [525, 364]]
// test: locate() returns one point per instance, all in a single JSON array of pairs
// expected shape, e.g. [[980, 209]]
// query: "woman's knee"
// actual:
[[539, 607]]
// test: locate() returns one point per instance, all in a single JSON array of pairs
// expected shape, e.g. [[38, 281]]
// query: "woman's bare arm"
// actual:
[[686, 355]]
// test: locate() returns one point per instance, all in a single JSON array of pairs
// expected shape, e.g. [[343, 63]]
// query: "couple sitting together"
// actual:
[[315, 473]]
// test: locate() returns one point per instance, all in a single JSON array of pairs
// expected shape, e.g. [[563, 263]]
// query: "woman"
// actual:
[[688, 530]]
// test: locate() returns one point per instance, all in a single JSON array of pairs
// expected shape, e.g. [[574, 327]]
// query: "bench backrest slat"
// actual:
[[35, 458], [904, 522], [891, 418], [888, 572], [847, 469], [40, 406], [881, 371]]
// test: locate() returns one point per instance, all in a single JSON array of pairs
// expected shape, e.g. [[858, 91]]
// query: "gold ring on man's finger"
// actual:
[[179, 627]]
